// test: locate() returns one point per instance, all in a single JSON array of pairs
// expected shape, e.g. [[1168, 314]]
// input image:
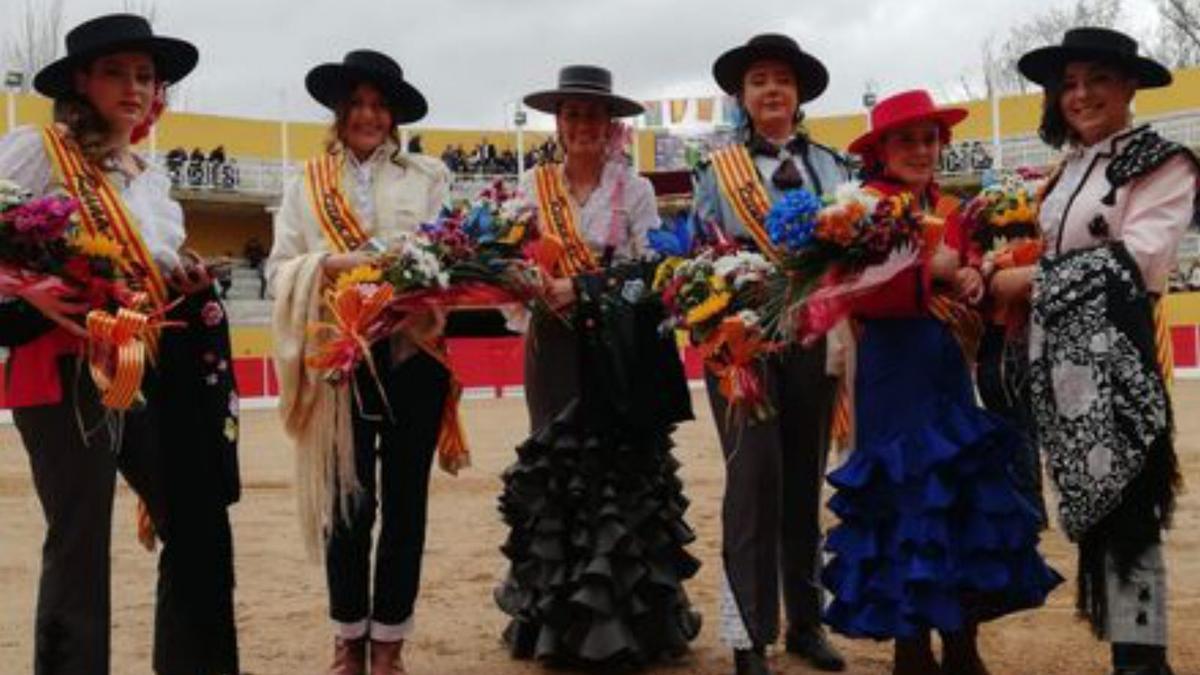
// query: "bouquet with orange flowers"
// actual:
[[836, 251], [1002, 228]]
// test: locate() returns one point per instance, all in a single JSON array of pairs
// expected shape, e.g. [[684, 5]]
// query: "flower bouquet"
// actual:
[[835, 252], [1001, 231], [1002, 228], [718, 300], [42, 246]]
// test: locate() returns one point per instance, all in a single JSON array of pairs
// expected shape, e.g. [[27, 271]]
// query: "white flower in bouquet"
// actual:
[[743, 267], [749, 317], [12, 194], [853, 191]]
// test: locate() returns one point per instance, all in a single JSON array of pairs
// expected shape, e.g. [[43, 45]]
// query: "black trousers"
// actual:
[[403, 445], [71, 453], [774, 471]]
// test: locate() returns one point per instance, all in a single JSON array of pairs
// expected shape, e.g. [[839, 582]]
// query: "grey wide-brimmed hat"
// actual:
[[584, 82], [1046, 64], [811, 75], [111, 33], [332, 83]]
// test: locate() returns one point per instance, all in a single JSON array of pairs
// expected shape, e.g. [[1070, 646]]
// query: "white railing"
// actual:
[[253, 176]]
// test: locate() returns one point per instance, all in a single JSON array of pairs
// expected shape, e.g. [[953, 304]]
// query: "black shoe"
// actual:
[[1135, 659], [750, 662], [812, 645]]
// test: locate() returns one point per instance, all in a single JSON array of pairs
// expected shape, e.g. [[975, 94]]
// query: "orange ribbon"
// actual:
[[731, 352], [118, 346]]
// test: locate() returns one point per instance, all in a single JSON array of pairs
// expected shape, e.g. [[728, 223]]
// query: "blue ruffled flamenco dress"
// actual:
[[933, 533]]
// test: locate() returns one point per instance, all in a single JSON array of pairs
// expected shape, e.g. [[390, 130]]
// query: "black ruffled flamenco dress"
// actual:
[[597, 542]]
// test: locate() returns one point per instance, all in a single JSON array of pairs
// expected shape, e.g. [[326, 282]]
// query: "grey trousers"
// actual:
[[1137, 608], [774, 471]]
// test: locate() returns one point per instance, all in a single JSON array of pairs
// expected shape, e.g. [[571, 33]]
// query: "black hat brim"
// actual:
[[549, 100], [173, 58], [811, 75], [332, 83], [1045, 65]]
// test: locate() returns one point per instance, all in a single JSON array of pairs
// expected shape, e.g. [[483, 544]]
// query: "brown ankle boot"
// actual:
[[385, 658], [914, 657], [349, 657]]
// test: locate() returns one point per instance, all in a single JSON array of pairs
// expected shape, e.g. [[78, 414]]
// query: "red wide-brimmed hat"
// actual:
[[903, 109]]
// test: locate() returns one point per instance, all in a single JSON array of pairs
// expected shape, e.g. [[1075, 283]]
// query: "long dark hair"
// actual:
[[84, 124], [341, 117], [1053, 129]]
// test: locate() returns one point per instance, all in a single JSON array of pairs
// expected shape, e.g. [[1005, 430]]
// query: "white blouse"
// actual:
[[24, 161], [618, 213]]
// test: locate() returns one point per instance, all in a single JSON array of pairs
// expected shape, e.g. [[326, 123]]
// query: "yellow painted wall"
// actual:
[[1183, 309], [212, 234], [251, 341], [837, 130]]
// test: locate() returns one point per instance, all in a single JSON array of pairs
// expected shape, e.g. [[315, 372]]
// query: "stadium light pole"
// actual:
[[994, 99], [13, 80], [519, 120]]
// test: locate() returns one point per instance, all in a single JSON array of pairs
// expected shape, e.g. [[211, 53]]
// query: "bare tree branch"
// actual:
[[36, 38]]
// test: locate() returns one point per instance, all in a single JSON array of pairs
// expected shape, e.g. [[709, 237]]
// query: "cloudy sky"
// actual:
[[474, 58]]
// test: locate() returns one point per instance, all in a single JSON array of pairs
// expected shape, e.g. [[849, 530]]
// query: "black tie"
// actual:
[[787, 176]]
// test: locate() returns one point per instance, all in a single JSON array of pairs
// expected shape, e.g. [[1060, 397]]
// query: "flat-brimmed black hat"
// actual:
[[731, 67], [1045, 65], [586, 82], [173, 58], [332, 83]]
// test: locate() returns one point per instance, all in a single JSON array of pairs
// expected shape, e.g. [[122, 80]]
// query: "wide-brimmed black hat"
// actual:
[[173, 58], [587, 82], [332, 83], [731, 67], [1045, 65]]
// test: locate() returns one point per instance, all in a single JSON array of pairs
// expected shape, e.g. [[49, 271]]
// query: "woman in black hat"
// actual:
[[352, 201], [595, 509], [178, 451], [774, 469], [1112, 215]]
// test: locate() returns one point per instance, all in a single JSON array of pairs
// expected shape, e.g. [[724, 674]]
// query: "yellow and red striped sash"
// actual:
[[742, 187], [344, 232], [102, 211], [339, 223], [558, 220], [1162, 344]]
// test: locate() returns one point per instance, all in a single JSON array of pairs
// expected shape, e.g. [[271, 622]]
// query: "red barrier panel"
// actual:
[[1183, 344]]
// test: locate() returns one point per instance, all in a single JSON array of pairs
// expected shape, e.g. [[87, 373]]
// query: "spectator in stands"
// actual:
[[176, 158], [414, 145], [217, 156], [195, 169], [223, 270]]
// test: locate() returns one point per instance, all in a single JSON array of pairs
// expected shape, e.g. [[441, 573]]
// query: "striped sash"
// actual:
[[102, 211], [323, 183], [740, 184], [558, 220]]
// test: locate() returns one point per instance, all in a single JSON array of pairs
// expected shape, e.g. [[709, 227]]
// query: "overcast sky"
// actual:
[[474, 58]]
